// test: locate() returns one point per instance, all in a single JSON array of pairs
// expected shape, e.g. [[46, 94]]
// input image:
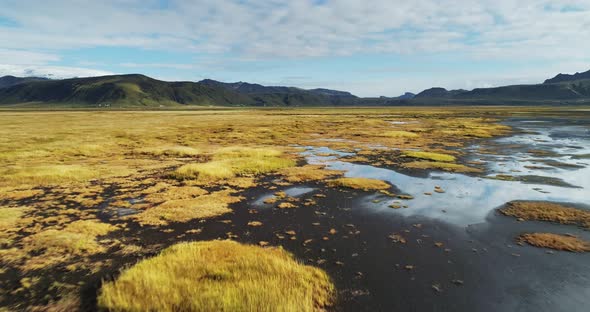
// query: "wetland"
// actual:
[[357, 209]]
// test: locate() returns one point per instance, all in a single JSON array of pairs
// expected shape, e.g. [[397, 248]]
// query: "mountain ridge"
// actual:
[[137, 90], [567, 77]]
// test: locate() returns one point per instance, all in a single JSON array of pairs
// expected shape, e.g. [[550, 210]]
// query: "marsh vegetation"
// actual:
[[113, 209]]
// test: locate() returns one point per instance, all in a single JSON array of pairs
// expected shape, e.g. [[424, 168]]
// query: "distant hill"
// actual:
[[135, 90], [438, 93], [9, 81], [407, 96], [555, 91], [119, 90], [566, 77]]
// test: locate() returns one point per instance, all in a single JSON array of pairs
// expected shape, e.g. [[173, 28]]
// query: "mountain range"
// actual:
[[135, 90]]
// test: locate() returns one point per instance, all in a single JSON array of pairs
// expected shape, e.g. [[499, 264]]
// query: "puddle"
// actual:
[[292, 192], [468, 200]]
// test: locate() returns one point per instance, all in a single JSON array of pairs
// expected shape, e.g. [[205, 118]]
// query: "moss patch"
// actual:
[[219, 276]]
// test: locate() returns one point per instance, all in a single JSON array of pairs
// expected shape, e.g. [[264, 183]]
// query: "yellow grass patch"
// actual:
[[78, 238], [399, 134], [233, 162], [48, 174], [440, 166], [546, 211], [175, 192], [430, 156], [219, 276], [186, 209], [10, 217], [307, 173], [175, 151], [12, 194], [555, 241], [360, 184]]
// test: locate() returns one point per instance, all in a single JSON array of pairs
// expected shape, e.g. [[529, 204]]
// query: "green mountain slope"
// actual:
[[119, 90], [9, 81], [141, 91], [129, 91]]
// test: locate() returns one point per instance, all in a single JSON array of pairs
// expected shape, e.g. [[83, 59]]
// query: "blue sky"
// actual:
[[370, 48]]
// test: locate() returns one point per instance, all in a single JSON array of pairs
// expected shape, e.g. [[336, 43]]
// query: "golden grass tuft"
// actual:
[[54, 246], [186, 209], [360, 184], [399, 134], [430, 156], [216, 170], [11, 194], [10, 217], [49, 174], [547, 211], [233, 162], [174, 151], [219, 276], [175, 192], [308, 173], [555, 241], [441, 166], [78, 238]]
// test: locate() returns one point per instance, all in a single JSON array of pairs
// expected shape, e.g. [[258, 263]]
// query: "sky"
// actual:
[[367, 47]]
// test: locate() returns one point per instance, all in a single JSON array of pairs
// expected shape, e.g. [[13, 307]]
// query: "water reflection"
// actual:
[[468, 200]]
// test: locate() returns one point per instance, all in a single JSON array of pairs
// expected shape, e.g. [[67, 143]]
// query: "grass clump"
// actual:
[[10, 217], [183, 209], [11, 220], [53, 246], [399, 134], [430, 156], [360, 184], [174, 151], [78, 238], [307, 173], [441, 166], [49, 174], [219, 276], [555, 241], [546, 211], [233, 162]]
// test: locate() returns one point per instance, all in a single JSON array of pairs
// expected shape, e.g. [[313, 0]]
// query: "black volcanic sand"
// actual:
[[477, 268]]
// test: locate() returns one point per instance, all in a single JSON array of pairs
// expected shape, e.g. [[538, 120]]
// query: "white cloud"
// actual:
[[529, 31], [262, 28], [56, 72]]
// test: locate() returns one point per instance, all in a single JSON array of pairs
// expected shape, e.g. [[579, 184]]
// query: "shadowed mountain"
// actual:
[[121, 91], [407, 96], [566, 77], [134, 90], [9, 81], [438, 93]]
